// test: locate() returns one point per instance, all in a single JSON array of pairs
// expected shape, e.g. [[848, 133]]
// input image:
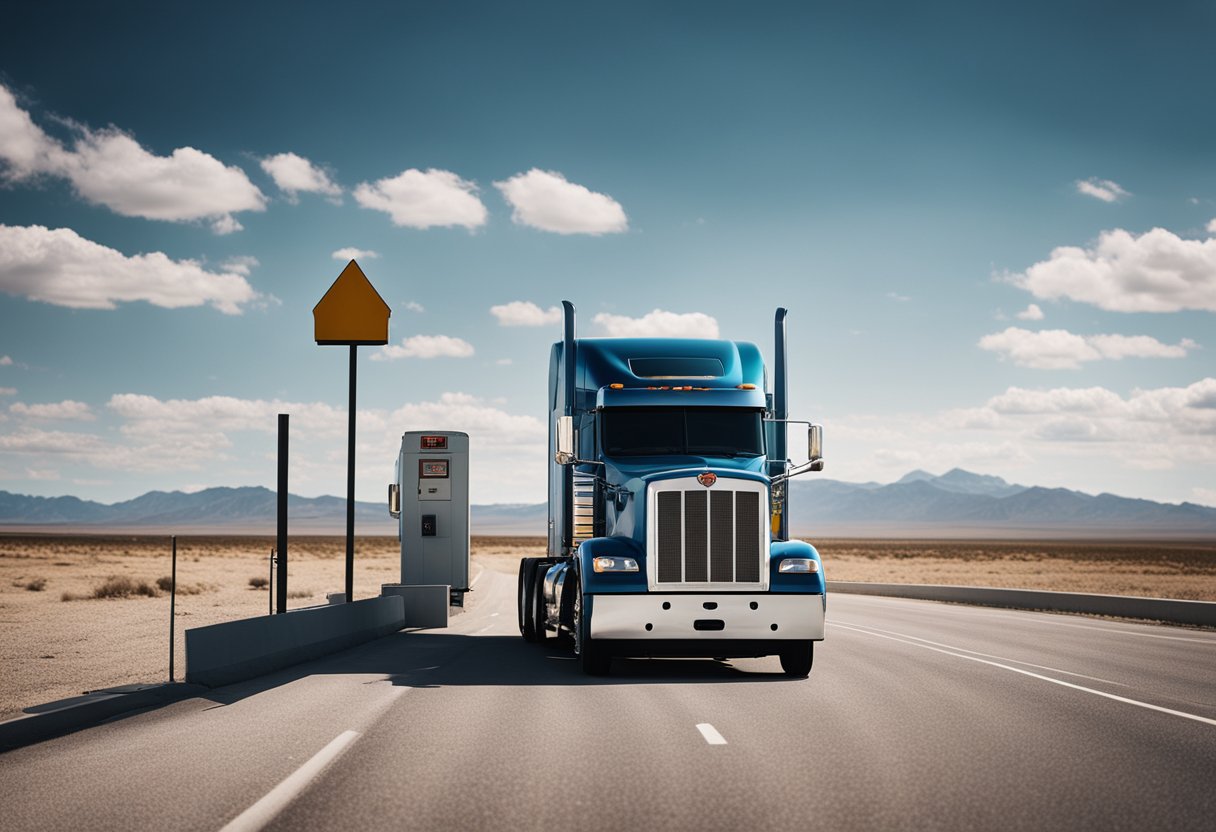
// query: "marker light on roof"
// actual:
[[747, 387], [616, 386]]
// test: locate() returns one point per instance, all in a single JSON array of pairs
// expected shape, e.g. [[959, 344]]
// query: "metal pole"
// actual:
[[172, 603], [281, 545], [350, 484], [270, 586]]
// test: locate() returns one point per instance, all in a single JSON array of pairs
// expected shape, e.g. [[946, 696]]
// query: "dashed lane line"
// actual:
[[264, 811], [711, 734], [1060, 682]]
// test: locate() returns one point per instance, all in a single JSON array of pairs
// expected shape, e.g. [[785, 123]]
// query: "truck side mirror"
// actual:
[[814, 441], [394, 499], [565, 441]]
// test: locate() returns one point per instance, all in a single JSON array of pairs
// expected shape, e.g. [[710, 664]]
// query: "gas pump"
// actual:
[[431, 501]]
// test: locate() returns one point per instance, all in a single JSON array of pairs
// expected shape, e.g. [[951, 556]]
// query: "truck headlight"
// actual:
[[608, 563], [798, 565]]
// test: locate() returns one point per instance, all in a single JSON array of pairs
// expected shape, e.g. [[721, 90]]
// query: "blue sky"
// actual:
[[994, 227]]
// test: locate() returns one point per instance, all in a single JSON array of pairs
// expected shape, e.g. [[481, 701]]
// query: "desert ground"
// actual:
[[80, 613]]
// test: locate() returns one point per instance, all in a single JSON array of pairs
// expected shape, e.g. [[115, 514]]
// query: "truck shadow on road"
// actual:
[[426, 660]]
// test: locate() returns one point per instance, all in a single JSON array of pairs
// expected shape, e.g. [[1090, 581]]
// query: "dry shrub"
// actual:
[[120, 586], [36, 585], [299, 593], [165, 584], [260, 582]]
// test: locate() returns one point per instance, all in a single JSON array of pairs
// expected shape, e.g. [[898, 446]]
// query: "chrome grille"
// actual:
[[705, 536]]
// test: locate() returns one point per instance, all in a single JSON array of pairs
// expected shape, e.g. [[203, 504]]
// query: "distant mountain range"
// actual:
[[959, 503], [955, 504]]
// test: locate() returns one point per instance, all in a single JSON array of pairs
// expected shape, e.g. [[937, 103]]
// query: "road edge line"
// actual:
[[264, 811], [1062, 683]]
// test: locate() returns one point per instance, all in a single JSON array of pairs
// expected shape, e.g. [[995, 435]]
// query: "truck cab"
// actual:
[[667, 506]]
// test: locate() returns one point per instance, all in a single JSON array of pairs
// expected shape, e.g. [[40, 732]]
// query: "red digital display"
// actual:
[[434, 443]]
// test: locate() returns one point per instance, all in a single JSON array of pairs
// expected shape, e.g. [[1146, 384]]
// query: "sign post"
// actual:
[[351, 313]]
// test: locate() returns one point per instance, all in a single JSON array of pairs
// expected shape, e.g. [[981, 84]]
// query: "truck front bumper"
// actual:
[[691, 617]]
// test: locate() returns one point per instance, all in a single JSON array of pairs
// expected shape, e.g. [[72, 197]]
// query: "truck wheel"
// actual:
[[538, 606], [527, 585], [796, 659], [591, 658]]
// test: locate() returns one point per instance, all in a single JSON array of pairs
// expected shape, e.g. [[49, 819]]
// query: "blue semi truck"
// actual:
[[667, 506]]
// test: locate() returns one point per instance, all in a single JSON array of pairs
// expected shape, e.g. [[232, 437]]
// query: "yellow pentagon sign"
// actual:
[[351, 312]]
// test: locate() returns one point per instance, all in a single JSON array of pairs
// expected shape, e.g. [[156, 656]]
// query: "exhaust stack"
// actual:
[[568, 360], [569, 382], [781, 411], [781, 390]]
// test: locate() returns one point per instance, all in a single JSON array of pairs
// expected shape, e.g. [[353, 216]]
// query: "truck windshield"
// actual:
[[699, 431]]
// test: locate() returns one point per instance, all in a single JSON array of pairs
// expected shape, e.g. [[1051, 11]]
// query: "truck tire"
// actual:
[[593, 660], [538, 605], [797, 658], [527, 586]]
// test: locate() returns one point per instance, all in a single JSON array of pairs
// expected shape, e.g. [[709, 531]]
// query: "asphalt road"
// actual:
[[917, 716]]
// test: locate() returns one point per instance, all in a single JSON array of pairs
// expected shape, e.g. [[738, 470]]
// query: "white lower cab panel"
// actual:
[[707, 617]]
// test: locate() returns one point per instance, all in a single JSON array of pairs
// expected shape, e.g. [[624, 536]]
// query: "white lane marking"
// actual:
[[494, 615], [989, 655], [1036, 616], [485, 629], [1060, 682], [711, 734], [477, 577], [264, 811]]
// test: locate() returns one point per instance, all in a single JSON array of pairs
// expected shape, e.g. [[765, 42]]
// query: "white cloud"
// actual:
[[525, 313], [295, 175], [548, 201], [414, 306], [8, 391], [502, 362], [1102, 189], [225, 225], [242, 264], [24, 148], [425, 346], [110, 168], [1031, 313], [59, 266], [1211, 226], [659, 323], [6, 361], [65, 410], [424, 199], [1153, 272], [1059, 349], [898, 298], [352, 253], [41, 474]]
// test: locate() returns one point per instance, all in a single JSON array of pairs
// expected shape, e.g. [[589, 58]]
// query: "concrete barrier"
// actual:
[[426, 605], [1200, 613], [223, 653]]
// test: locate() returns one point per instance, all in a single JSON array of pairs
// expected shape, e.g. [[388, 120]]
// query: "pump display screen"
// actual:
[[696, 431], [433, 469]]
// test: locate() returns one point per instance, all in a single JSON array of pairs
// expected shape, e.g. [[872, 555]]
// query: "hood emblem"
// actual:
[[707, 479]]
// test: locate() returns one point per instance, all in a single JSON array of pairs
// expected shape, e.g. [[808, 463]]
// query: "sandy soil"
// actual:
[[52, 649]]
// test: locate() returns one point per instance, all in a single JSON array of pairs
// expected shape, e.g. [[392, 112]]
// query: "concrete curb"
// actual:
[[221, 654], [1199, 613], [87, 710]]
